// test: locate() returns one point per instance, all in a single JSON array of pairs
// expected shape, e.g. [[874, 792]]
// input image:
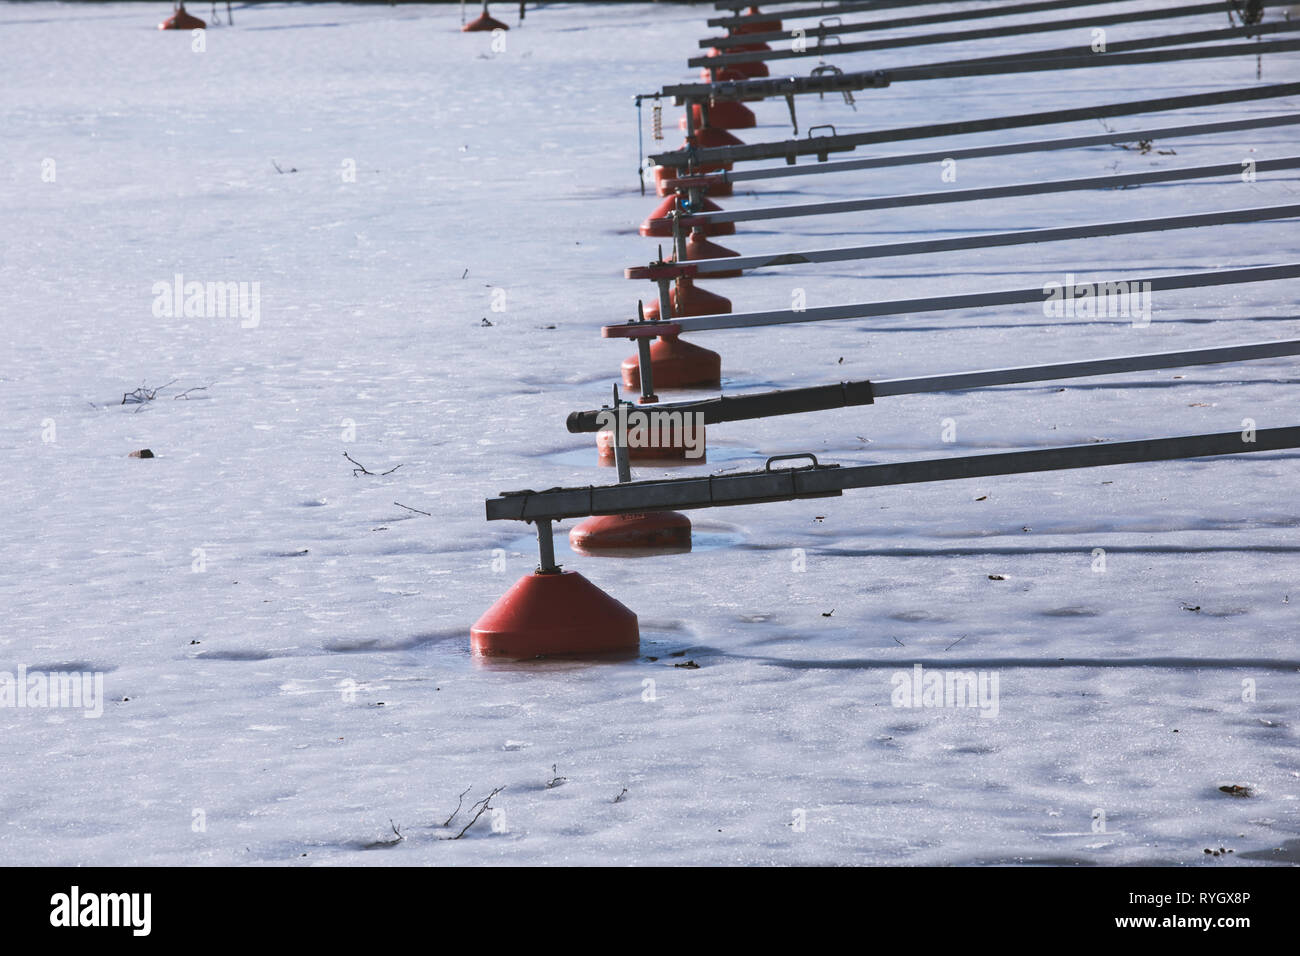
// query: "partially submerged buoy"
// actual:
[[555, 613], [658, 532], [666, 445], [724, 114], [483, 22], [698, 246], [750, 71], [182, 20], [663, 174], [689, 299], [658, 224], [674, 364]]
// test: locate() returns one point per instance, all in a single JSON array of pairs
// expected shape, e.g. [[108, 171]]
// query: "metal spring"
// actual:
[[657, 122]]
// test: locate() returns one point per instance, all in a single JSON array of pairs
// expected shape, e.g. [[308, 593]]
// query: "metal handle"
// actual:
[[767, 466]]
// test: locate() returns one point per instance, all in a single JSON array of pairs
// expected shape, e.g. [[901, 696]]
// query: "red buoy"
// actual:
[[659, 532], [673, 364], [724, 114], [658, 224], [664, 445], [663, 174], [699, 247], [749, 71], [483, 22], [757, 26], [558, 612], [707, 137], [182, 20], [689, 299]]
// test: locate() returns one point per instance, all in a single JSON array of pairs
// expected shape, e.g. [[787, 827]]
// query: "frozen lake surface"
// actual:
[[284, 648]]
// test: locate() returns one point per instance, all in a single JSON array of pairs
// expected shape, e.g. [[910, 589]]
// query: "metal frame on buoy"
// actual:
[[556, 611]]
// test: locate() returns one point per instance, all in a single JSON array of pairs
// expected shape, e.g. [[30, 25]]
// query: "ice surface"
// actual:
[[313, 682]]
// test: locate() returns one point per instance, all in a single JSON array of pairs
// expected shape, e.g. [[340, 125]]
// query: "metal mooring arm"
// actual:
[[828, 481], [792, 401]]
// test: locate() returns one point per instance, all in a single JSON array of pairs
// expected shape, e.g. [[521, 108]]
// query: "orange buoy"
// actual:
[[483, 22], [749, 71], [663, 174], [673, 364], [758, 26], [658, 532], [699, 247], [555, 612], [689, 299], [658, 224], [182, 20], [707, 137], [724, 114]]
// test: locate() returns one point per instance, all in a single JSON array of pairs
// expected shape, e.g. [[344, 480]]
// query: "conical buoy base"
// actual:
[[749, 71], [724, 114], [708, 137], [674, 364], [667, 451], [482, 23], [657, 224], [662, 175], [689, 299], [182, 20], [553, 614], [698, 247], [659, 532], [757, 26]]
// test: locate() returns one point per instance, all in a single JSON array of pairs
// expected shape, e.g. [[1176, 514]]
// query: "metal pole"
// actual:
[[1005, 149], [740, 20], [724, 60], [705, 267], [546, 548], [621, 461], [986, 192], [823, 481], [817, 398], [979, 13], [977, 300], [789, 149]]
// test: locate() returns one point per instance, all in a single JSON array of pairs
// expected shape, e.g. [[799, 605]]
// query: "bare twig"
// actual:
[[556, 779], [484, 805], [361, 469], [386, 842], [142, 394], [459, 800], [186, 394], [409, 508], [619, 798]]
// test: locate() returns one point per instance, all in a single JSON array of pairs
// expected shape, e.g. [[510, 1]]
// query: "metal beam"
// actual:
[[984, 192], [817, 146], [1096, 230], [800, 12], [979, 13], [794, 401], [977, 152], [975, 300], [725, 60], [823, 481]]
